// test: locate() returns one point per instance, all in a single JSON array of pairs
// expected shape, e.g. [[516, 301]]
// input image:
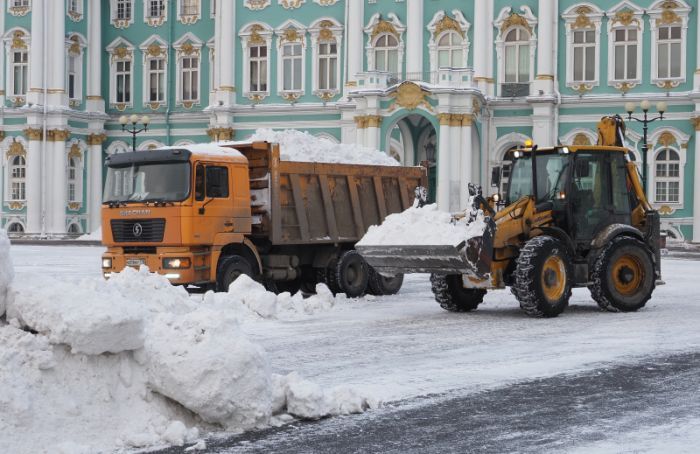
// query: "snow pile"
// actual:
[[135, 361], [423, 226], [6, 271], [93, 236], [302, 146]]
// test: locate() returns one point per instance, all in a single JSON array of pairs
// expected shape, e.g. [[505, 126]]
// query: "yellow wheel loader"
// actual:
[[573, 216]]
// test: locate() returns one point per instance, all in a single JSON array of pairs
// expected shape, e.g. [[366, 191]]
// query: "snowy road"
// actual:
[[404, 347]]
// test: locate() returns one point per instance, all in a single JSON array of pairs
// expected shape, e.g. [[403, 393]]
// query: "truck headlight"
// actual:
[[175, 263], [107, 262]]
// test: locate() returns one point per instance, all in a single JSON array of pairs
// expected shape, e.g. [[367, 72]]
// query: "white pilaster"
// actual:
[[482, 46], [58, 197], [414, 36], [34, 187], [696, 184], [225, 52], [443, 164], [3, 8], [56, 53], [544, 80], [465, 156], [95, 102], [37, 54], [355, 45], [94, 160], [456, 163], [543, 124]]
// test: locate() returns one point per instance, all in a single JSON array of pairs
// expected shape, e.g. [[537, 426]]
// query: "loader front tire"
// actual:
[[623, 276], [451, 294], [543, 276]]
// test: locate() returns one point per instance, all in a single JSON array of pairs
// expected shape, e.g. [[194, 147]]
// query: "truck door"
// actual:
[[212, 205]]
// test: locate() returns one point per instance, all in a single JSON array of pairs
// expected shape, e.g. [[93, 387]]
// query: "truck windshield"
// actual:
[[148, 182], [552, 177]]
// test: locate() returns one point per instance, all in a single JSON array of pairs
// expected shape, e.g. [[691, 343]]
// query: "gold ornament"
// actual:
[[18, 40], [581, 139], [16, 149], [625, 18], [75, 152], [445, 24], [96, 139], [666, 139], [220, 134], [514, 20], [384, 26], [409, 96]]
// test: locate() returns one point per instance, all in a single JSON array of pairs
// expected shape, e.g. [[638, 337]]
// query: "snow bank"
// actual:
[[6, 271], [134, 361], [423, 226], [93, 236], [302, 146]]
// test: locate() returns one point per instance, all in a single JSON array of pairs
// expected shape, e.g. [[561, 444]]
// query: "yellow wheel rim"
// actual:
[[553, 278], [627, 274]]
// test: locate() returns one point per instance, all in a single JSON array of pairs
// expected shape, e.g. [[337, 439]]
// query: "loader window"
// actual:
[[552, 177], [199, 183], [217, 182]]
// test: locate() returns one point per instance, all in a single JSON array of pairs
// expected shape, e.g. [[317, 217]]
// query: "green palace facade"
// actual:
[[457, 83]]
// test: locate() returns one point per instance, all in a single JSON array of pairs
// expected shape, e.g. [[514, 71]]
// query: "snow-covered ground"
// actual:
[[402, 346]]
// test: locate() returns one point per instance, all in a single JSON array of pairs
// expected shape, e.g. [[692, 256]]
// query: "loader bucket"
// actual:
[[472, 257]]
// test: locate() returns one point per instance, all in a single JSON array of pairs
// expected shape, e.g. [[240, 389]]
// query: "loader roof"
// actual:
[[577, 148]]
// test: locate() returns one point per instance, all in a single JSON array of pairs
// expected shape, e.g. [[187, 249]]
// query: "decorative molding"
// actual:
[[33, 133], [374, 121], [668, 84], [326, 2], [15, 149], [383, 26], [625, 18], [96, 139], [582, 18], [581, 139], [291, 96], [409, 96], [444, 119], [19, 11], [360, 122], [153, 105], [696, 123], [445, 24], [326, 95], [256, 5], [19, 40], [120, 106], [582, 88], [291, 4], [74, 206], [221, 133], [624, 87], [257, 98], [15, 205], [57, 135], [121, 23], [75, 151], [515, 20], [666, 139]]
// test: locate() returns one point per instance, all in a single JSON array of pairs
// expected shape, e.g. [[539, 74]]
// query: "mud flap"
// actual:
[[472, 257]]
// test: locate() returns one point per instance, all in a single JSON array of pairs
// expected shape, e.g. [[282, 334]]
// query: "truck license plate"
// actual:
[[135, 262]]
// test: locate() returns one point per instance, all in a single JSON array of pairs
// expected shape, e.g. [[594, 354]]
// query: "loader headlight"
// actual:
[[175, 263], [517, 154], [496, 198], [107, 262]]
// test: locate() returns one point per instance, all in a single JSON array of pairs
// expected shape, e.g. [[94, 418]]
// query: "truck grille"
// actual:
[[138, 230]]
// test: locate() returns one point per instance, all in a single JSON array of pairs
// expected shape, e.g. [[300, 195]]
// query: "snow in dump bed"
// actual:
[[302, 146], [6, 271], [209, 149], [133, 361], [423, 226]]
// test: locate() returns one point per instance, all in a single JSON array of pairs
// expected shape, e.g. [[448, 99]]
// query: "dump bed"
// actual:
[[311, 203]]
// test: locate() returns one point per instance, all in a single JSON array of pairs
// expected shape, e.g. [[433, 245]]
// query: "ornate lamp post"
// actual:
[[134, 119], [645, 120]]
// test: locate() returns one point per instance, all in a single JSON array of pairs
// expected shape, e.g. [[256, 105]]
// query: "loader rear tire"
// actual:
[[381, 285], [623, 276], [543, 276], [451, 294], [352, 274], [230, 268]]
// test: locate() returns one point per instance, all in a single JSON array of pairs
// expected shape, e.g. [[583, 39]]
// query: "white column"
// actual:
[[37, 54], [414, 36], [455, 162], [360, 130], [490, 50], [95, 102], [481, 45], [545, 46], [56, 53], [94, 180], [465, 155], [225, 52], [443, 164], [372, 131], [696, 185], [543, 124], [2, 53], [355, 44], [34, 186], [58, 198]]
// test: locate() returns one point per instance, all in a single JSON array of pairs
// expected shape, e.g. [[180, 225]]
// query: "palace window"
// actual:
[[73, 62], [668, 47], [75, 7], [15, 227], [122, 78], [189, 7], [18, 172], [189, 79], [20, 3], [19, 73], [258, 67], [123, 10], [450, 51], [292, 61], [667, 176], [386, 53], [156, 80], [155, 8], [584, 49], [328, 66], [73, 179], [625, 53], [517, 56]]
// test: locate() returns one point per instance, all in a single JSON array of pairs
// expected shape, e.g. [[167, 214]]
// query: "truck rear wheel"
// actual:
[[352, 274], [229, 269], [543, 277], [451, 294], [383, 285], [623, 275]]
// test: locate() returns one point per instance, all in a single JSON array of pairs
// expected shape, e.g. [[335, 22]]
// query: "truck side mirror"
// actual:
[[496, 177]]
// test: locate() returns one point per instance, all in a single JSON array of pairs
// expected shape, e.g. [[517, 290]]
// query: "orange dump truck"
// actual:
[[203, 215]]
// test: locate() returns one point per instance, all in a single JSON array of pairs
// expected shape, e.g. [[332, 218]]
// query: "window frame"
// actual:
[[379, 27], [187, 47], [189, 17], [519, 44], [299, 59], [20, 180], [662, 16], [325, 31], [121, 22], [582, 17], [625, 17], [183, 72], [256, 34], [666, 179], [24, 67]]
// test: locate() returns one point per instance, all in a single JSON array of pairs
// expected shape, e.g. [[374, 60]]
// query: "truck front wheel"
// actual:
[[352, 274], [382, 285], [229, 269]]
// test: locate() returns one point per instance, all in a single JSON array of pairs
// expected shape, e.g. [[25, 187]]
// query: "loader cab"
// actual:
[[585, 188]]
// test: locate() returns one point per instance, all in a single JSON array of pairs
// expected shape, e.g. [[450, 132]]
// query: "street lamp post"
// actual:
[[645, 120], [134, 119]]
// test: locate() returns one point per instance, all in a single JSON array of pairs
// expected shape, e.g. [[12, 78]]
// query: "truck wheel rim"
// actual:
[[627, 274], [553, 278]]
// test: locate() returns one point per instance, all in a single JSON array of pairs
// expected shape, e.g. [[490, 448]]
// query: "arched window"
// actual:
[[18, 172], [74, 229], [15, 227], [625, 56], [258, 67], [667, 176], [328, 65], [517, 56], [292, 61], [72, 179], [450, 50], [386, 53]]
